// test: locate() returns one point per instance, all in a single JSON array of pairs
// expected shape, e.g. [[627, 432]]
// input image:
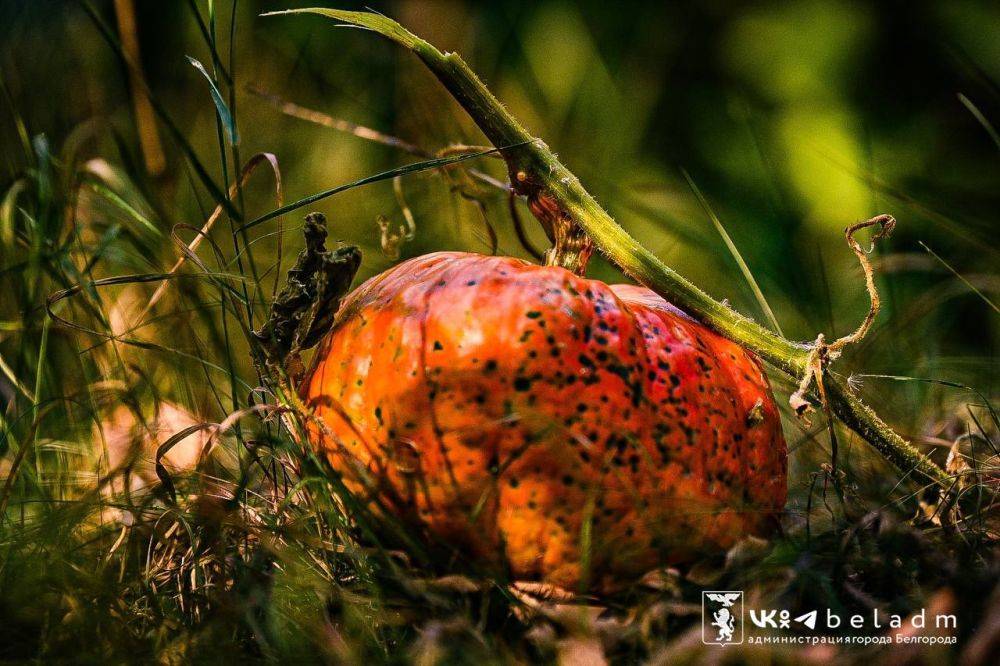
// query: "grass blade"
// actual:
[[747, 275], [939, 382], [385, 175], [203, 29], [161, 113], [978, 115], [228, 122], [959, 276]]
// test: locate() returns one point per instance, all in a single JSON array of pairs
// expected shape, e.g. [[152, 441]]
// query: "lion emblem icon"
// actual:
[[726, 625], [726, 618]]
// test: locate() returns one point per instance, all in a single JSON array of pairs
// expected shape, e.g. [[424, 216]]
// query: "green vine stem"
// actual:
[[538, 175]]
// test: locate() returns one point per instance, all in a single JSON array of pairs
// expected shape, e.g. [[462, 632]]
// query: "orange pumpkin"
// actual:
[[555, 427]]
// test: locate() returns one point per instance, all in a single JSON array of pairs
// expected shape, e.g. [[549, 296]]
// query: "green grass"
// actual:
[[261, 553]]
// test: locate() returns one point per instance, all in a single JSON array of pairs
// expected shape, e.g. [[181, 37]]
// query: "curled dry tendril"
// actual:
[[823, 353]]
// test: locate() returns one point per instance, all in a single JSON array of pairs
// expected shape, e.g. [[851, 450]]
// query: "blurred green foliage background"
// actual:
[[793, 119]]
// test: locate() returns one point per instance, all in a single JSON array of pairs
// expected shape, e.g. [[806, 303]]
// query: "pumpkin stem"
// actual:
[[571, 246]]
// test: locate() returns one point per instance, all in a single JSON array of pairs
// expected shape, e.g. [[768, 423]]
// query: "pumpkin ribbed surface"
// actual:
[[557, 427]]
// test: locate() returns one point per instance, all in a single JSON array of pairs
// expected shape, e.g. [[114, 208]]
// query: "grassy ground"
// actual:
[[114, 549]]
